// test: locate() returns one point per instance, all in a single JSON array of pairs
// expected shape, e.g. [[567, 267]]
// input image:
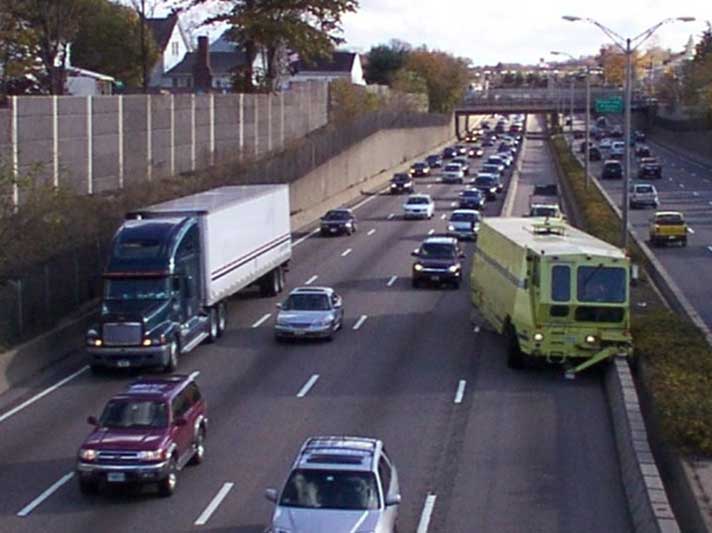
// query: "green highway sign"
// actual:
[[609, 105]]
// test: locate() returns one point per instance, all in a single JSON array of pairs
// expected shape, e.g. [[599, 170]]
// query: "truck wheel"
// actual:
[[515, 359], [167, 486], [173, 352], [222, 318], [269, 285], [199, 448], [213, 329]]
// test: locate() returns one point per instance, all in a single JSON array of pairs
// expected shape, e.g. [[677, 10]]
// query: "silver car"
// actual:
[[338, 485], [309, 312]]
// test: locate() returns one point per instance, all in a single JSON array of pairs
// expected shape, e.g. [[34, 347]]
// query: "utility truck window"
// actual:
[[561, 283], [601, 284]]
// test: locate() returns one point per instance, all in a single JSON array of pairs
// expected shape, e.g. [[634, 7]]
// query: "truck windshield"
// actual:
[[136, 289], [437, 250], [132, 414], [331, 489], [601, 284]]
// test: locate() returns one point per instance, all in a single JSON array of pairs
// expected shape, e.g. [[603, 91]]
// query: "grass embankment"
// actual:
[[673, 350]]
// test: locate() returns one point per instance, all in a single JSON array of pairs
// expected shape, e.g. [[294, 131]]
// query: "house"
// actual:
[[83, 82], [173, 44], [221, 59], [339, 66]]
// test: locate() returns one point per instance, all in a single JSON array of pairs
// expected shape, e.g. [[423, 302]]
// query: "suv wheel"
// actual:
[[167, 486], [173, 352], [199, 447]]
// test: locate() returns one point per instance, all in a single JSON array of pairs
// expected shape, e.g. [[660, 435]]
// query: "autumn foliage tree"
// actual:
[[446, 77]]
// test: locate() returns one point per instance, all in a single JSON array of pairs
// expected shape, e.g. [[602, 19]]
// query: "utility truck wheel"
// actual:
[[515, 358]]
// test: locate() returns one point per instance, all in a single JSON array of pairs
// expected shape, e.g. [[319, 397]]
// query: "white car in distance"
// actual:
[[419, 206]]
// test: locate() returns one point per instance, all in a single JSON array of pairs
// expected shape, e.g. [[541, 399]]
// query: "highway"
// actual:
[[686, 186], [492, 450]]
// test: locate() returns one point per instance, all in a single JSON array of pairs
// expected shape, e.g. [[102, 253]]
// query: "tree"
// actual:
[[446, 77], [308, 27], [55, 24], [18, 52], [384, 61], [109, 41]]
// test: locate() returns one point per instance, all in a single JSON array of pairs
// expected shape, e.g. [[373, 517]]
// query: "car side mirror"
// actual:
[[92, 421], [271, 495], [395, 499], [415, 253], [180, 422], [278, 306]]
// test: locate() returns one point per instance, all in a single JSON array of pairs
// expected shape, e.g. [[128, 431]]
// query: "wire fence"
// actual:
[[40, 296]]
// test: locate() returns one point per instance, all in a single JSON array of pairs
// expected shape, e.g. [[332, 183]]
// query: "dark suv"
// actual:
[[438, 261], [612, 170], [400, 183], [146, 434]]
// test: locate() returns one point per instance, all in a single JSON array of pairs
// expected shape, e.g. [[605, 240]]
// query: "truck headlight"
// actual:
[[417, 267], [451, 228], [538, 337], [147, 342], [493, 189], [454, 268], [95, 342], [87, 454], [590, 339], [151, 455]]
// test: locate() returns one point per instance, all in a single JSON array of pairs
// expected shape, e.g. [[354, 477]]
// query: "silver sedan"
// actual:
[[309, 312]]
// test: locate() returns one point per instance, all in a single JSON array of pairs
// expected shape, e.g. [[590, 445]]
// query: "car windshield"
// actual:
[[612, 166], [419, 200], [307, 302], [400, 178], [437, 249], [134, 414], [601, 284], [331, 489], [337, 215], [419, 166], [541, 211], [494, 160], [671, 219], [471, 194], [484, 181], [644, 189], [464, 217], [136, 289], [453, 168], [490, 168]]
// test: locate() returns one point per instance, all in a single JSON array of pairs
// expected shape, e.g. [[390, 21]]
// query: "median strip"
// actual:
[[307, 386], [262, 320], [214, 504], [46, 494]]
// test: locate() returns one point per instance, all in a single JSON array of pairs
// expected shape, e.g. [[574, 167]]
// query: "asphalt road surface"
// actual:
[[519, 451]]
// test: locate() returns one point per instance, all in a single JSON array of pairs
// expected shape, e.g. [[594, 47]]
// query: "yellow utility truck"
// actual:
[[553, 291]]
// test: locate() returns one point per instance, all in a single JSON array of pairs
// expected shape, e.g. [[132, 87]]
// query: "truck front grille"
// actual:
[[116, 457], [122, 334]]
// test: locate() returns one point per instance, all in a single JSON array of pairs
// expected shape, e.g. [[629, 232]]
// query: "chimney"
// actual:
[[202, 73]]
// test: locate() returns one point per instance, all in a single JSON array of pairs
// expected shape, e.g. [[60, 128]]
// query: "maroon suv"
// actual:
[[146, 434]]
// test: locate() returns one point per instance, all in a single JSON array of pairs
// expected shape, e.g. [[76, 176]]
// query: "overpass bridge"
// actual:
[[535, 101]]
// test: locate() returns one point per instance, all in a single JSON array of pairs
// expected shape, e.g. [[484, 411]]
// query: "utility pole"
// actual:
[[144, 59], [588, 125], [627, 136]]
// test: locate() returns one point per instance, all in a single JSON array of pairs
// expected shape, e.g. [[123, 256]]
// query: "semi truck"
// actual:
[[553, 291], [173, 266]]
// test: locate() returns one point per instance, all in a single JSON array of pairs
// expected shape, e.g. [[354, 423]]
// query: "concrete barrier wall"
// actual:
[[97, 144]]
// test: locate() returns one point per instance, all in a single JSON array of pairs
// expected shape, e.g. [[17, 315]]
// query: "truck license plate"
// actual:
[[123, 363], [115, 477], [435, 278], [298, 332]]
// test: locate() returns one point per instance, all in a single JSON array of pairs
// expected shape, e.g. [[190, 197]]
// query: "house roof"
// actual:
[[338, 62], [76, 71], [221, 63], [162, 29]]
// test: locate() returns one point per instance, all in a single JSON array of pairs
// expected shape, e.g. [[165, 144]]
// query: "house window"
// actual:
[[174, 48]]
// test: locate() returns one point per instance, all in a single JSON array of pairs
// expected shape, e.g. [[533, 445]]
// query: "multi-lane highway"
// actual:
[[686, 186], [490, 449]]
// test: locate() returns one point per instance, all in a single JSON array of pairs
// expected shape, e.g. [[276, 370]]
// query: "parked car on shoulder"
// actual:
[[668, 226], [400, 183], [612, 170], [338, 221], [146, 434], [419, 206], [649, 167], [419, 169], [642, 195], [309, 313], [464, 224], [438, 261], [338, 485]]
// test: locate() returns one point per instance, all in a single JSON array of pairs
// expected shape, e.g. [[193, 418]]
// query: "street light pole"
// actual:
[[571, 126], [588, 126], [627, 46]]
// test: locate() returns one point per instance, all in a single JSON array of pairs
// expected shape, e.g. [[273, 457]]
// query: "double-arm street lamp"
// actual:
[[627, 46]]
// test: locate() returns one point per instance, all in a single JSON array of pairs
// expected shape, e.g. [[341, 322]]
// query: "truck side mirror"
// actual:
[[415, 253], [92, 421], [271, 495]]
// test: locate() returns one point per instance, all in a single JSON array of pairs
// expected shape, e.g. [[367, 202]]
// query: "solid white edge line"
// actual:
[[214, 504], [346, 252], [427, 513], [307, 386], [27, 509], [360, 322], [311, 280], [371, 232], [460, 391], [391, 281], [42, 394], [262, 320]]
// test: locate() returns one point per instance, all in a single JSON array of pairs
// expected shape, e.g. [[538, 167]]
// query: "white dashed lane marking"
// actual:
[[371, 232], [460, 391], [360, 322], [214, 504], [391, 281], [46, 494], [307, 386], [427, 513], [346, 252], [311, 280], [262, 320]]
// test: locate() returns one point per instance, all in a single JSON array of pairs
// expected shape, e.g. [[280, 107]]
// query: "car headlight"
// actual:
[[590, 339], [451, 228], [94, 342], [454, 268], [538, 337], [87, 454], [493, 189], [417, 267], [151, 455]]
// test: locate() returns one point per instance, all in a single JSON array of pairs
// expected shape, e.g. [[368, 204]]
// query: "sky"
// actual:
[[519, 31]]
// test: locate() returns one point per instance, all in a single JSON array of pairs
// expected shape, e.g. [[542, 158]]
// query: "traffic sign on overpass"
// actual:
[[612, 104]]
